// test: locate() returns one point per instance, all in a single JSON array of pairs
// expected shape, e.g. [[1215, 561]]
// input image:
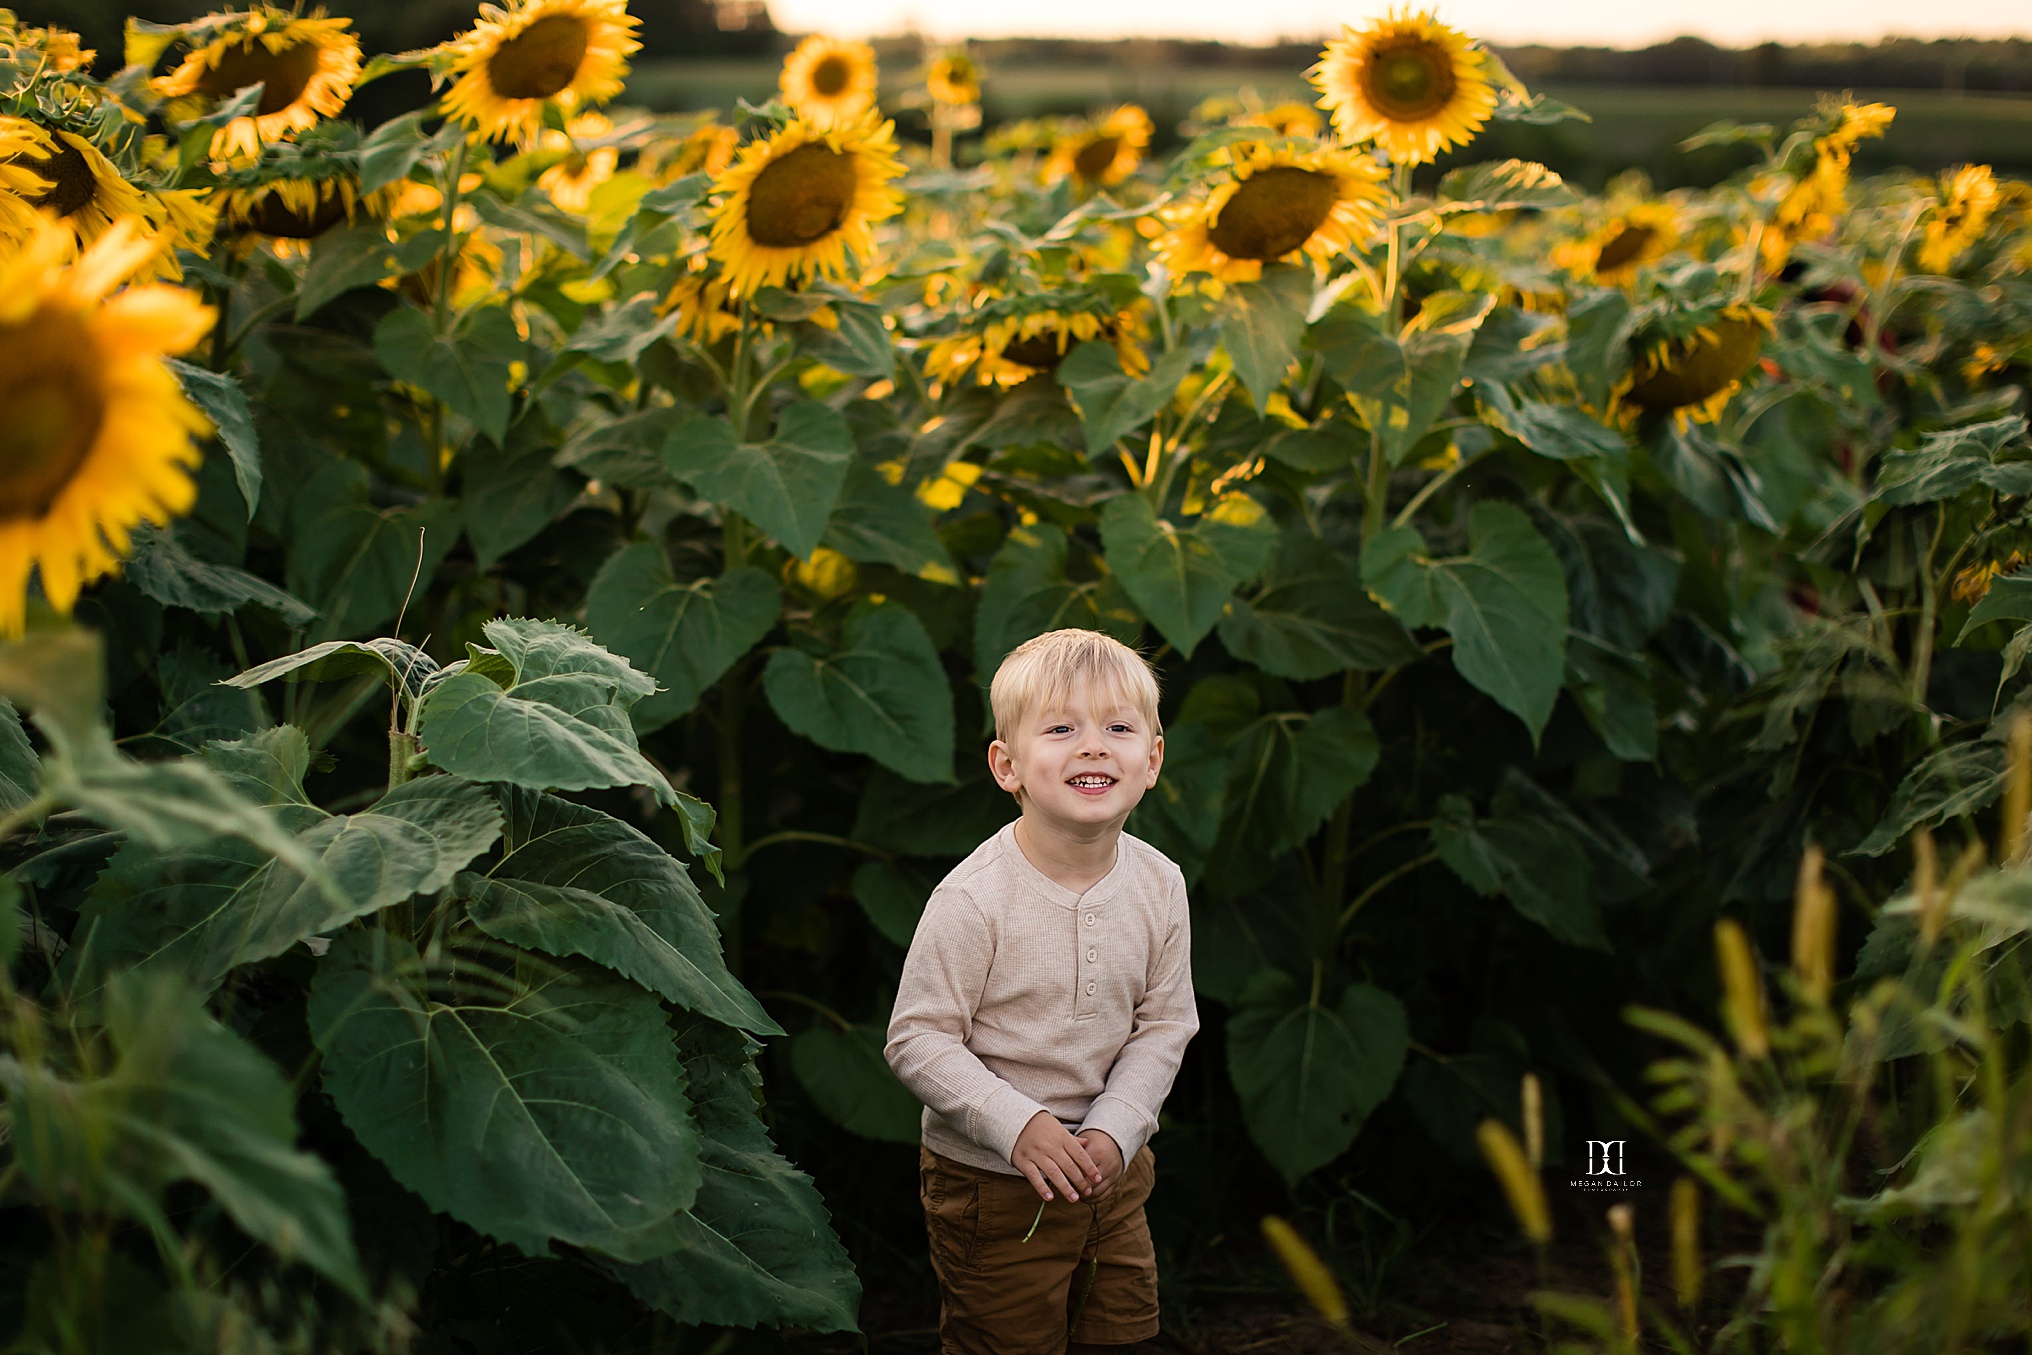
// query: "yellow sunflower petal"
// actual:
[[799, 204], [518, 60], [829, 82], [1407, 82], [1279, 203], [306, 67], [1104, 153]]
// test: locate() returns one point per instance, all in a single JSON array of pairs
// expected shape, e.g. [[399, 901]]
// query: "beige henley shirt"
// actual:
[[1019, 995]]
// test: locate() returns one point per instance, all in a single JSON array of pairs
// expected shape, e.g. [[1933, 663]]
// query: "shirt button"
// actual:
[[1090, 989], [1090, 919], [1091, 953]]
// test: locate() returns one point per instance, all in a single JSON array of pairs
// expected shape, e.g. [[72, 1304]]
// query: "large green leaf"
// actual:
[[1181, 578], [1113, 404], [1181, 814], [1504, 603], [1530, 858], [358, 563], [359, 255], [546, 708], [20, 769], [883, 692], [1948, 462], [538, 1106], [402, 662], [1948, 783], [685, 635], [853, 1084], [2007, 599], [202, 910], [1308, 1074], [554, 851], [787, 486], [946, 818], [1559, 432], [1312, 618], [1029, 591], [884, 524], [757, 1245], [1286, 774], [1599, 323], [468, 369], [1503, 186], [1400, 387], [512, 494], [892, 897], [179, 1098], [223, 401], [160, 567], [1261, 323]]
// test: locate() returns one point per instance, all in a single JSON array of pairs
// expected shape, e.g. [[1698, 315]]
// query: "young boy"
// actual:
[[1043, 1009]]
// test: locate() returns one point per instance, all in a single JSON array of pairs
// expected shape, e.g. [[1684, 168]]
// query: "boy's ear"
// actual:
[[1002, 767], [1156, 759]]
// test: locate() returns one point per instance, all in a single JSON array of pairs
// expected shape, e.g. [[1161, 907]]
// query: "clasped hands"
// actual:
[[1058, 1162]]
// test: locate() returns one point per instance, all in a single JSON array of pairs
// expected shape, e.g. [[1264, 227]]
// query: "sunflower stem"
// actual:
[[448, 252]]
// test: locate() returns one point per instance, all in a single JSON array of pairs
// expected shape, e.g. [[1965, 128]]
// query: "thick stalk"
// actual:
[[1375, 492], [1929, 601]]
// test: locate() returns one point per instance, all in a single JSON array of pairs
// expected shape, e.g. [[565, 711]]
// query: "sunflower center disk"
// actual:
[[801, 197], [1409, 80], [1092, 160], [1039, 350], [1273, 212], [287, 222], [283, 75], [830, 77], [51, 406], [1700, 368], [1624, 246], [540, 60], [71, 185]]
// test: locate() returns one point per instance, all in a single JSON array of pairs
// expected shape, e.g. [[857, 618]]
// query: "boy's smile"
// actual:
[[1081, 763]]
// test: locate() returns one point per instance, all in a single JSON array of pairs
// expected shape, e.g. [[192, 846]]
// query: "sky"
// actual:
[[1610, 23]]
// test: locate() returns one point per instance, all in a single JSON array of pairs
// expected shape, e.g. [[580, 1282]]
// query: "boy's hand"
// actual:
[[1053, 1159], [1107, 1155]]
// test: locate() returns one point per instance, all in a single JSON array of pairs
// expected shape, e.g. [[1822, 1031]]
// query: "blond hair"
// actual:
[[1049, 668]]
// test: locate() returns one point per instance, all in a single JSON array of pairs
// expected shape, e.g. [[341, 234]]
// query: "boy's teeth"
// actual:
[[1093, 780]]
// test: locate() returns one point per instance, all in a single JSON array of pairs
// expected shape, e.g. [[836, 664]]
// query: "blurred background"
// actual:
[[1959, 73]]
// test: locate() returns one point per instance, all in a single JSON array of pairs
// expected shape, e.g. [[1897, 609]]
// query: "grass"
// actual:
[[1635, 126]]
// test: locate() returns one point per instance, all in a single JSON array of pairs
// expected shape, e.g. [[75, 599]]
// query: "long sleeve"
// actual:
[[1166, 1020], [943, 978]]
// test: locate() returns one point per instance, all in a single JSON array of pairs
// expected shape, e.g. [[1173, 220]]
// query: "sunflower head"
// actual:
[[534, 54], [1966, 199], [306, 67], [1276, 204], [1693, 366], [571, 181], [708, 150], [829, 82], [95, 433], [1407, 82], [51, 49], [1005, 340], [55, 171], [1104, 152], [1638, 235], [953, 79], [800, 203], [705, 311]]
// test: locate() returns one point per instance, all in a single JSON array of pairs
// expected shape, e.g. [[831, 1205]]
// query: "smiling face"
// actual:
[[1080, 761]]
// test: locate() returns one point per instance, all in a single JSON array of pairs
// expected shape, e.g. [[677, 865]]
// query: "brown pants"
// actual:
[[1000, 1295]]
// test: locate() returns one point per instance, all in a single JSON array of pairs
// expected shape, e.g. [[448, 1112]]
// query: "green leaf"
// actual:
[[1181, 814], [883, 524], [883, 693], [205, 909], [1286, 774], [1504, 603], [394, 148], [1560, 432], [1260, 325], [1534, 861], [947, 818], [1313, 619], [1399, 389], [624, 331], [1308, 1075], [853, 1084], [1599, 323], [1504, 186], [1112, 403], [20, 770], [559, 722], [858, 344], [1029, 591], [892, 897], [2009, 599], [627, 451], [161, 568], [1177, 577], [1612, 687], [552, 845], [685, 635], [181, 1098], [219, 396], [757, 1245], [1954, 781], [786, 485], [1330, 445], [535, 1107], [402, 662], [468, 369], [355, 562], [511, 496], [360, 255], [1948, 462]]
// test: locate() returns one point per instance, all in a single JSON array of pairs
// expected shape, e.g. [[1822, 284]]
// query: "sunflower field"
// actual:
[[495, 609]]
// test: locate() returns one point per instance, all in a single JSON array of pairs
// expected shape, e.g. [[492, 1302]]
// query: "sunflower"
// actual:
[[1640, 234], [1694, 371], [55, 171], [1285, 119], [705, 309], [1408, 82], [709, 149], [1818, 196], [95, 433], [517, 60], [1278, 203], [1103, 153], [306, 68], [828, 82], [55, 49], [795, 205], [298, 207], [571, 181], [1007, 340], [954, 79], [1968, 198]]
